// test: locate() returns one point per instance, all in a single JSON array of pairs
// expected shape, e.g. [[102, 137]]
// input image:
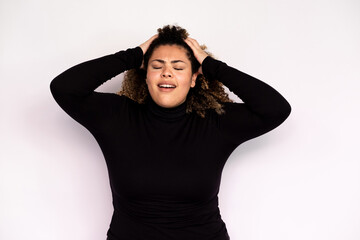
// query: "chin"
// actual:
[[167, 104]]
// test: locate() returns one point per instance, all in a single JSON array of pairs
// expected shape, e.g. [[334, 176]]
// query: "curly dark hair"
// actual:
[[207, 94]]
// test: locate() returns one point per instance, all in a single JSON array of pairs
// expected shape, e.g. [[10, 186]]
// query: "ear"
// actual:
[[193, 79]]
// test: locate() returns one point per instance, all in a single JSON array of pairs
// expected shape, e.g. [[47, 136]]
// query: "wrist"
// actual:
[[142, 49], [201, 58]]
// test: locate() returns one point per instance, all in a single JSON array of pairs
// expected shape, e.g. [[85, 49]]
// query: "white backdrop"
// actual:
[[300, 181]]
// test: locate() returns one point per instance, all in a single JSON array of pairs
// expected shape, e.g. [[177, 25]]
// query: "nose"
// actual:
[[166, 73]]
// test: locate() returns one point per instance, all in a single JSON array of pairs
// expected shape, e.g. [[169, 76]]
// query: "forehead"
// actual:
[[170, 52]]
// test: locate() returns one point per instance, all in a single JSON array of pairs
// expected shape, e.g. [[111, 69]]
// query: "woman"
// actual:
[[168, 133]]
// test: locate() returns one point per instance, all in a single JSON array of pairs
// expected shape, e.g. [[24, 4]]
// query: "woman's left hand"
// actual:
[[198, 52]]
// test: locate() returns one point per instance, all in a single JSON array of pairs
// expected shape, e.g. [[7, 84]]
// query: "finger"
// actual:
[[191, 44], [187, 40], [150, 40], [153, 37], [190, 41], [194, 42], [144, 46]]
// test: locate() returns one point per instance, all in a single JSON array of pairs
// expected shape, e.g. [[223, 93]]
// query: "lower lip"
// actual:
[[166, 89]]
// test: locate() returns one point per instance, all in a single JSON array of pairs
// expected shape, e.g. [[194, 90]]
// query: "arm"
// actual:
[[263, 109], [74, 89]]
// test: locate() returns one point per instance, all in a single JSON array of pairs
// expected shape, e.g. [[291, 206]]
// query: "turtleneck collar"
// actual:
[[167, 114]]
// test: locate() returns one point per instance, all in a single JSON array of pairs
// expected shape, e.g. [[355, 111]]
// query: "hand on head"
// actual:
[[144, 46], [198, 52]]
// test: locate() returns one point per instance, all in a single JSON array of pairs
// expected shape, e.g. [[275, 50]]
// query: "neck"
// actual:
[[167, 114]]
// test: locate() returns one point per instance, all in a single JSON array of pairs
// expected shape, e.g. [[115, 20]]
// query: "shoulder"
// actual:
[[122, 99], [115, 104]]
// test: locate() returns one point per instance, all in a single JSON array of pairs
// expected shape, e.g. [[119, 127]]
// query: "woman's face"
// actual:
[[169, 75]]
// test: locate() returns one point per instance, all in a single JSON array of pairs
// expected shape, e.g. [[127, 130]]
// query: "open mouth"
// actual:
[[166, 86]]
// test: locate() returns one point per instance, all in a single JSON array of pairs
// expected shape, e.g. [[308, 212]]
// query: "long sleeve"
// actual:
[[74, 89], [263, 109]]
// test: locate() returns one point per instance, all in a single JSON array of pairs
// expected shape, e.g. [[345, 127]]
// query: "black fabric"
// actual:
[[165, 165]]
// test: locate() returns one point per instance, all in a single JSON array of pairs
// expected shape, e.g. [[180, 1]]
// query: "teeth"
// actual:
[[166, 86]]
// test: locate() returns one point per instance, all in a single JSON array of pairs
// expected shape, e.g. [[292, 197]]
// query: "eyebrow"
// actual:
[[162, 61]]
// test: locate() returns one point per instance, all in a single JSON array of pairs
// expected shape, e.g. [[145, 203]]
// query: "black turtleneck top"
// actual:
[[164, 164]]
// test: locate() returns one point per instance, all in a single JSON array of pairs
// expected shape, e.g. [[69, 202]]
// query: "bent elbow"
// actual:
[[286, 110], [283, 112], [56, 88], [279, 114]]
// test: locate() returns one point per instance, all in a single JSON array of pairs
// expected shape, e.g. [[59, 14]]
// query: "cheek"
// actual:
[[149, 77], [185, 80]]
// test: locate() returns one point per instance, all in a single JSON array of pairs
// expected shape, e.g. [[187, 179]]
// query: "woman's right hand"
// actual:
[[144, 47], [146, 44]]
